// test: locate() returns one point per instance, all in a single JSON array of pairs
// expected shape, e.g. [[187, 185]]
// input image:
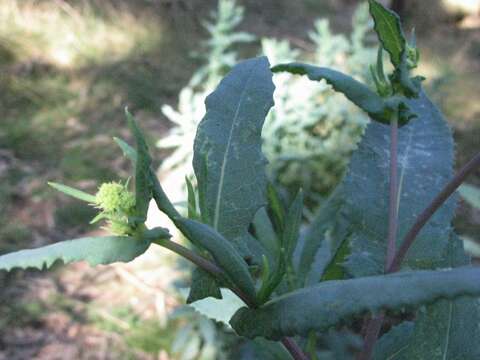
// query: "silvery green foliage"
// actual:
[[304, 153], [219, 57]]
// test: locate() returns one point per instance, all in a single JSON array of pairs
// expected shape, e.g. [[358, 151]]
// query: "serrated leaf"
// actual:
[[448, 329], [357, 92], [143, 184], [333, 302], [223, 252], [388, 27], [471, 194], [220, 310], [94, 250], [203, 286], [425, 162], [228, 162], [77, 194]]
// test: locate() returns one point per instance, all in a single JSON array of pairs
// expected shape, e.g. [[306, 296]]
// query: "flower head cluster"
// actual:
[[117, 204]]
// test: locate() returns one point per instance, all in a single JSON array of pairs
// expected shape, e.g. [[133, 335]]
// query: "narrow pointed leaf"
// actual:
[[293, 221], [389, 30], [223, 252], [77, 194], [357, 92], [425, 165], [203, 286], [333, 302], [143, 184], [128, 151], [94, 250], [276, 205], [228, 162], [265, 233], [192, 201], [158, 194], [317, 250]]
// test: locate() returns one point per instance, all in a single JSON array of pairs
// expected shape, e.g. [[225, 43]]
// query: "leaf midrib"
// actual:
[[227, 151]]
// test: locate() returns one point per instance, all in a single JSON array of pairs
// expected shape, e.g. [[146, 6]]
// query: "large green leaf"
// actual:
[[94, 250], [228, 162], [333, 302], [425, 158], [389, 30], [357, 92], [448, 329]]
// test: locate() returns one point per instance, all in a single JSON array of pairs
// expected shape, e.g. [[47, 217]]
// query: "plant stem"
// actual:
[[371, 334], [204, 264], [423, 218], [216, 271], [294, 349], [393, 201]]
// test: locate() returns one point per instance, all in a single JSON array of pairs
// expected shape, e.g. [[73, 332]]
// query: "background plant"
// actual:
[[311, 132]]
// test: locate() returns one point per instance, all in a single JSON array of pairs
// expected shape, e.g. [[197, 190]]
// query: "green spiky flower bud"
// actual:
[[115, 197]]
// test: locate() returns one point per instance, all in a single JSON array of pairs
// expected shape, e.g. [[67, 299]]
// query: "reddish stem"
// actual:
[[423, 218]]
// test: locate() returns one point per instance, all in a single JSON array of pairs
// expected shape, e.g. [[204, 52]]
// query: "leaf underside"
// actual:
[[143, 184], [94, 250], [334, 302]]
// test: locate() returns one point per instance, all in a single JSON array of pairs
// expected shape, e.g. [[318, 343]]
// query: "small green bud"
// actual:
[[115, 197], [117, 204]]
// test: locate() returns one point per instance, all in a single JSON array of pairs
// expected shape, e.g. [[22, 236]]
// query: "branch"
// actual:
[[371, 334], [423, 218], [216, 271]]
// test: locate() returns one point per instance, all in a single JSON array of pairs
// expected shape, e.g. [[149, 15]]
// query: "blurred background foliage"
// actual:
[[68, 68]]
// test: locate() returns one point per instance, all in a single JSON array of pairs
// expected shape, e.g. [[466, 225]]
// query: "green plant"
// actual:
[[353, 265], [310, 133]]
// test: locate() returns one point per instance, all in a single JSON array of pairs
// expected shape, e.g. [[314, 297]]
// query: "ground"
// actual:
[[67, 69]]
